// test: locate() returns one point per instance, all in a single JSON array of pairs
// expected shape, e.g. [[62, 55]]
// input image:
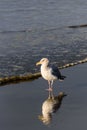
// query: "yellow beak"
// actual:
[[38, 63]]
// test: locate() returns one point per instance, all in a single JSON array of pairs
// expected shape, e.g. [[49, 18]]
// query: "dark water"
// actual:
[[21, 104], [30, 30]]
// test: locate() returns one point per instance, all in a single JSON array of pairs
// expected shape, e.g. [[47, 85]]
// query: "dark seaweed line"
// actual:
[[78, 26], [49, 29], [19, 78], [29, 77], [15, 31]]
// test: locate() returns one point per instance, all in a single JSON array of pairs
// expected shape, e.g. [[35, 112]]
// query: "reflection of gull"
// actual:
[[49, 73], [49, 106]]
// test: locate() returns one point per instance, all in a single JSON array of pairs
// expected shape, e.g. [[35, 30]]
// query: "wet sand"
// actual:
[[20, 104]]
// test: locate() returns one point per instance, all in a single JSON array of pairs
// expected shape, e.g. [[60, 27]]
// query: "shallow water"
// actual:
[[21, 103], [30, 30]]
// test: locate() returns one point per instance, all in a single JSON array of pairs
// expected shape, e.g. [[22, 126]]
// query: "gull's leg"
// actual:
[[49, 95], [50, 86], [52, 89]]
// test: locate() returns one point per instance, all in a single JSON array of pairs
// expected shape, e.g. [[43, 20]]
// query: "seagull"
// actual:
[[49, 73]]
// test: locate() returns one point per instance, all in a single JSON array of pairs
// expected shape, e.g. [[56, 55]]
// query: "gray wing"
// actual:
[[55, 71]]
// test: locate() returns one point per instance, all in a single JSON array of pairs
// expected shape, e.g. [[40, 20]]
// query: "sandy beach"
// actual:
[[20, 104]]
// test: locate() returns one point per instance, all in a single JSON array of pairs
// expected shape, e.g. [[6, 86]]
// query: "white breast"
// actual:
[[46, 73]]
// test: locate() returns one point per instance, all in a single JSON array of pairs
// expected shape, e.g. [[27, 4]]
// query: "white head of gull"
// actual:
[[49, 73]]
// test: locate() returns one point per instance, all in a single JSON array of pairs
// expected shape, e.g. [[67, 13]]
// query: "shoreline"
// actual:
[[29, 77]]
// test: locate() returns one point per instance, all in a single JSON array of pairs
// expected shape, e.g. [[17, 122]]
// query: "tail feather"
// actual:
[[62, 77]]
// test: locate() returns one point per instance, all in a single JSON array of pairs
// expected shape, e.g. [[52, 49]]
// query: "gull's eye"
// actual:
[[42, 60]]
